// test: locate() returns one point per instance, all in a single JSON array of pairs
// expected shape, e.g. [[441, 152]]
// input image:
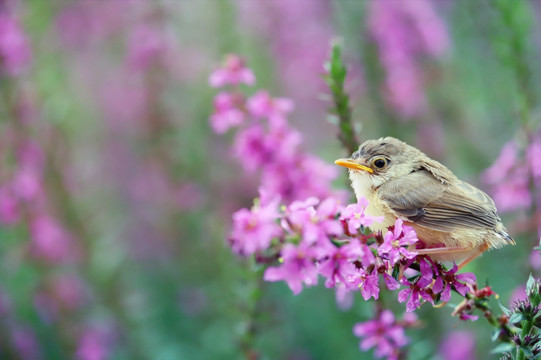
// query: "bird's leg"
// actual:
[[481, 249]]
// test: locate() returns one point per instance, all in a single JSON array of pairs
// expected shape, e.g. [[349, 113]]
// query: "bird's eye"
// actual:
[[380, 163]]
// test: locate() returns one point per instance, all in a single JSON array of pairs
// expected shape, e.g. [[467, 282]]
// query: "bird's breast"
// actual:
[[364, 187]]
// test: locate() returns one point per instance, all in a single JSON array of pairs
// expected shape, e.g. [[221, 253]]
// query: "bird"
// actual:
[[455, 220]]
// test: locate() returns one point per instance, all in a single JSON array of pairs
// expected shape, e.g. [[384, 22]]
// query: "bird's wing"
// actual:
[[424, 200]]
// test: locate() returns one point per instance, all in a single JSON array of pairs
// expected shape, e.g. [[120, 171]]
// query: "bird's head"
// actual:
[[381, 160]]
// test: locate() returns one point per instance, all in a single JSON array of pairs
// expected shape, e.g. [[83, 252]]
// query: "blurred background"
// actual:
[[116, 196]]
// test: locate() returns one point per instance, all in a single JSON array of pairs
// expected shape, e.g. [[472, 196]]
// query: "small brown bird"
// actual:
[[455, 220]]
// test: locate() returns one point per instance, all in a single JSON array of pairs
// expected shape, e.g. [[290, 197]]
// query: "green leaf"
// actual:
[[503, 348], [517, 318], [505, 310]]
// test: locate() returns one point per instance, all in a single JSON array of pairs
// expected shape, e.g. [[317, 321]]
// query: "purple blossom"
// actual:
[[510, 182], [50, 240], [261, 105], [233, 73], [254, 229], [338, 267], [513, 193], [503, 165], [534, 158], [418, 289], [298, 267], [458, 345], [226, 112], [395, 240], [15, 50], [146, 45], [391, 283], [9, 207], [383, 333], [93, 345], [355, 216], [315, 225], [405, 33], [253, 149]]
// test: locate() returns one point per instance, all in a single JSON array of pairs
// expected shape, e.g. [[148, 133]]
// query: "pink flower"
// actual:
[[93, 345], [503, 165], [9, 207], [518, 294], [253, 149], [395, 240], [254, 229], [233, 73], [405, 33], [418, 289], [535, 260], [315, 225], [15, 50], [338, 267], [50, 240], [355, 216], [261, 105], [226, 112], [146, 44], [383, 333], [458, 345], [514, 192], [298, 267], [534, 158]]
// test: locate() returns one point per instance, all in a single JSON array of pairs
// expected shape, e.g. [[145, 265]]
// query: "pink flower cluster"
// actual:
[[15, 50], [311, 238], [405, 32], [512, 174], [264, 140], [385, 334]]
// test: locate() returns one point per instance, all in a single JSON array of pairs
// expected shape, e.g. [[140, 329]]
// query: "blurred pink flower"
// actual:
[[226, 112], [190, 196], [514, 192], [26, 343], [15, 52], [518, 294], [234, 72], [125, 101], [145, 46], [70, 290], [50, 240], [252, 148], [298, 33], [9, 207], [92, 345], [534, 158], [297, 268], [405, 32], [383, 333], [261, 105], [503, 165], [458, 345], [535, 260]]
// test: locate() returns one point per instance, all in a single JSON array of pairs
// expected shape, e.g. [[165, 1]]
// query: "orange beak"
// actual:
[[353, 165]]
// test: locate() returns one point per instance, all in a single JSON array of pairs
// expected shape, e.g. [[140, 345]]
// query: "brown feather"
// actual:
[[421, 198]]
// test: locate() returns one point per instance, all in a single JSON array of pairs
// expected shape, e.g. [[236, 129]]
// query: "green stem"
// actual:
[[335, 79]]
